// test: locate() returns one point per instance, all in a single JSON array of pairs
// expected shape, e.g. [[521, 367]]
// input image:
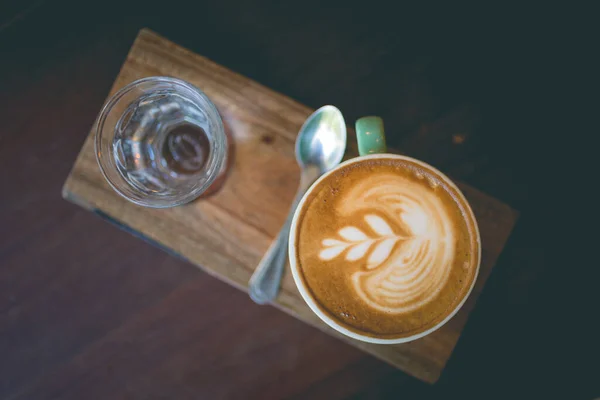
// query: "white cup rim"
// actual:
[[312, 303]]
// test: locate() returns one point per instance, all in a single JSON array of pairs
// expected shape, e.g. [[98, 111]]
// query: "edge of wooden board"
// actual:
[[285, 302]]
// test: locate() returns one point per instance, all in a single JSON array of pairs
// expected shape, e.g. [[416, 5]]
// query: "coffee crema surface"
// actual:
[[386, 247]]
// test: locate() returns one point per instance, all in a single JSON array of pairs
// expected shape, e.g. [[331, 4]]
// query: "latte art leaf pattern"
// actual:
[[358, 243], [381, 252], [379, 225], [406, 255], [352, 234]]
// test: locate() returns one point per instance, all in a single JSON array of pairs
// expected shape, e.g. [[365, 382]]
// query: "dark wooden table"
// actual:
[[88, 311]]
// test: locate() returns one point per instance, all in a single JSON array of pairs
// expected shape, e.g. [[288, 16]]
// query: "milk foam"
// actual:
[[407, 253]]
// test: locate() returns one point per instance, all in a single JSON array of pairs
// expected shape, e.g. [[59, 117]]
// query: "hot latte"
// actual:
[[386, 247]]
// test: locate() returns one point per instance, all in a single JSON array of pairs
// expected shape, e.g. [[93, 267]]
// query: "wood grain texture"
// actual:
[[226, 234]]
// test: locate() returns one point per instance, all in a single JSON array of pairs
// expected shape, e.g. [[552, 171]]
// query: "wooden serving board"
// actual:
[[227, 234]]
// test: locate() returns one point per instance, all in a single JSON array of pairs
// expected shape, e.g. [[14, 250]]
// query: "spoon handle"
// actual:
[[266, 279]]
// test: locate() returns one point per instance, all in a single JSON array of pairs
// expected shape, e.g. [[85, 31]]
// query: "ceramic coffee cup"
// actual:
[[384, 248]]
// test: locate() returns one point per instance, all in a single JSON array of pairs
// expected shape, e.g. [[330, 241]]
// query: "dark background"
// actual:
[[88, 311]]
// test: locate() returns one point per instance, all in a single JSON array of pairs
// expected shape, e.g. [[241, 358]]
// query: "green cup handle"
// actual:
[[370, 135]]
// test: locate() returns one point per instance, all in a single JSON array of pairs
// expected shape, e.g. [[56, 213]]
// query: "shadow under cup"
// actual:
[[373, 229]]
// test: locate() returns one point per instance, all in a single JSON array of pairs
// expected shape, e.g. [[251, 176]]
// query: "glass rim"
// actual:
[[115, 179]]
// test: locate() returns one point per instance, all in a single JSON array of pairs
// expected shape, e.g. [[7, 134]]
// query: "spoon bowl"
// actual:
[[322, 139]]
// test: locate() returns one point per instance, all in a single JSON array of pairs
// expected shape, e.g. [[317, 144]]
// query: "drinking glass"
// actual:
[[160, 142]]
